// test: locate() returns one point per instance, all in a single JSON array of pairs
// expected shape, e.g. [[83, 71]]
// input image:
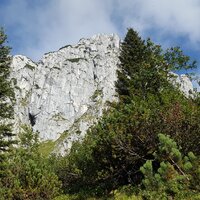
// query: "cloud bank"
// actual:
[[36, 27]]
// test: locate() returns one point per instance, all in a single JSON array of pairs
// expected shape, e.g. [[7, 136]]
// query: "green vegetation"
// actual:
[[177, 177], [29, 66], [75, 59], [62, 137], [58, 117], [6, 103], [29, 175], [24, 101], [124, 155], [45, 148], [96, 94]]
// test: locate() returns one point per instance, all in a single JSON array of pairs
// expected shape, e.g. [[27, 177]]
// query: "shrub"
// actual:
[[30, 176], [176, 177]]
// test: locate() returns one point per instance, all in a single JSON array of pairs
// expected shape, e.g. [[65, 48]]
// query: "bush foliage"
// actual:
[[29, 175], [177, 177]]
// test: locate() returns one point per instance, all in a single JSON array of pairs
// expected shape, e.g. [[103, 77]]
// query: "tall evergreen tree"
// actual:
[[132, 49], [139, 68], [6, 100]]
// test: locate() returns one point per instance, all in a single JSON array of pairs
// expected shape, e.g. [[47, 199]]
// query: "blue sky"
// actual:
[[38, 26]]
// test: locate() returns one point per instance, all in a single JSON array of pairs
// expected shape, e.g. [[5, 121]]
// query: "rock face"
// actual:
[[184, 83], [66, 91]]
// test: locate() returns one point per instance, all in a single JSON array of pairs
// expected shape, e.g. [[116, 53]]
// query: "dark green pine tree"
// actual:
[[142, 68], [6, 101], [131, 56]]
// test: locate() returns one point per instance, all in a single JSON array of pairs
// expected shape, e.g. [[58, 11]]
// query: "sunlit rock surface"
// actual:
[[67, 89], [183, 82]]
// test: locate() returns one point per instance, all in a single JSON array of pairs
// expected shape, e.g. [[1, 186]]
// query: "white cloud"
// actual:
[[174, 17], [47, 28], [55, 23]]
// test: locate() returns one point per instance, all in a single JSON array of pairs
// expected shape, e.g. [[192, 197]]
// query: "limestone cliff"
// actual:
[[66, 91]]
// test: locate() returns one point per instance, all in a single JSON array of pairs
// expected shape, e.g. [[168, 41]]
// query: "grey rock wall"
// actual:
[[66, 90]]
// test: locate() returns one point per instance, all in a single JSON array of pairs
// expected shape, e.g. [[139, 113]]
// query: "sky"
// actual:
[[35, 27]]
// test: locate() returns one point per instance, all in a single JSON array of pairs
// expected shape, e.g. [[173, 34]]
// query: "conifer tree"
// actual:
[[6, 100], [140, 68], [132, 52]]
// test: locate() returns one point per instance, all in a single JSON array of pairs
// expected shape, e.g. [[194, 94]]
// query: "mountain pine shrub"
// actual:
[[177, 177]]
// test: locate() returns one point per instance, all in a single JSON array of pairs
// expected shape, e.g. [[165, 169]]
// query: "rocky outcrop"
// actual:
[[184, 83], [66, 91]]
